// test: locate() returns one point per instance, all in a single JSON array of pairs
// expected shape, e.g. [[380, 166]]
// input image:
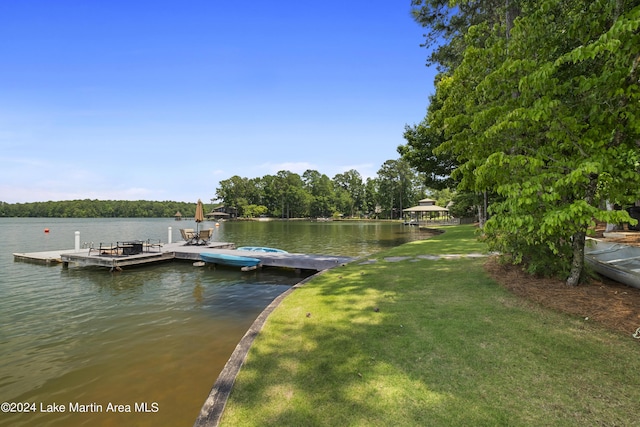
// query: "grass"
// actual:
[[424, 342]]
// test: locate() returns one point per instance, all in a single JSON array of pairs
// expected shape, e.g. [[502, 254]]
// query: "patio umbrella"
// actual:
[[199, 214]]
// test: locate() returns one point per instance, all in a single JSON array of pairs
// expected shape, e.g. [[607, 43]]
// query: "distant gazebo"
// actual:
[[428, 211], [178, 216]]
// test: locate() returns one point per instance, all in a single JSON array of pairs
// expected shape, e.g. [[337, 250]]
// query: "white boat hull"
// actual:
[[614, 260]]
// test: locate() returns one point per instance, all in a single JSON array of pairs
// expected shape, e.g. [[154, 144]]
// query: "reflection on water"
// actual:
[[357, 238], [152, 334]]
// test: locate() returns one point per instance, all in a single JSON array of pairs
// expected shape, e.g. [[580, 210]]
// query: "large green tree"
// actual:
[[396, 186], [447, 22], [236, 192], [351, 182], [320, 188], [422, 140], [294, 201], [543, 110]]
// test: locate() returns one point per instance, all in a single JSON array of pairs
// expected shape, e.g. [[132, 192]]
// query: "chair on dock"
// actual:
[[204, 236], [188, 234]]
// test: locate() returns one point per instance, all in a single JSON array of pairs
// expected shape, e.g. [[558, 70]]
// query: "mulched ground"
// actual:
[[610, 303]]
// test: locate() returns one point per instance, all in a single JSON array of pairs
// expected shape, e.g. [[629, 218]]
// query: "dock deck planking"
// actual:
[[180, 251]]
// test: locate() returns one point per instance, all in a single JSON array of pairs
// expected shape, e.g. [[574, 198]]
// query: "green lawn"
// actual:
[[430, 342]]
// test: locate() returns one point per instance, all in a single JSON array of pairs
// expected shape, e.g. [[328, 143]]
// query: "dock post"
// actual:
[[169, 239], [77, 241]]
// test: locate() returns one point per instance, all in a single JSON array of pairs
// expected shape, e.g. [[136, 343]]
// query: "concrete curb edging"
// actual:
[[213, 407]]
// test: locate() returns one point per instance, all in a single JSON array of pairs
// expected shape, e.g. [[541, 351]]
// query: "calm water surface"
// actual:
[[158, 334]]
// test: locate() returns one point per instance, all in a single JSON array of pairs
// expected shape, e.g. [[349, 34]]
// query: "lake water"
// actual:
[[152, 339]]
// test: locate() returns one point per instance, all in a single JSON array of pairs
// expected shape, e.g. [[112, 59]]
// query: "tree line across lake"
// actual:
[[87, 208], [397, 186]]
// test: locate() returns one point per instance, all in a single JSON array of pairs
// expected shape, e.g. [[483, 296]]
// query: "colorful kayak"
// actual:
[[260, 249], [231, 260]]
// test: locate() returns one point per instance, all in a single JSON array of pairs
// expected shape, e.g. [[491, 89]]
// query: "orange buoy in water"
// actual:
[[217, 224], [46, 230]]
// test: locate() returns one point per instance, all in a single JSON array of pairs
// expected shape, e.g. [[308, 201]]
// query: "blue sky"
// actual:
[[160, 100]]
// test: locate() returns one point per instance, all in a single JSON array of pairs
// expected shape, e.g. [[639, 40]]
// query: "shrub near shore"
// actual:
[[430, 342]]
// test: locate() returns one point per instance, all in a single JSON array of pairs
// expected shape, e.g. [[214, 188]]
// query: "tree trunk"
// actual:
[[610, 227], [579, 237], [482, 210], [577, 263]]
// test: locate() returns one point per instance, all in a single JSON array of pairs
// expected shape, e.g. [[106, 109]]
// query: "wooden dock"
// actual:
[[180, 251]]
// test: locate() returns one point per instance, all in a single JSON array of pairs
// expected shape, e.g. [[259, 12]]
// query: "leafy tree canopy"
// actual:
[[541, 108]]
